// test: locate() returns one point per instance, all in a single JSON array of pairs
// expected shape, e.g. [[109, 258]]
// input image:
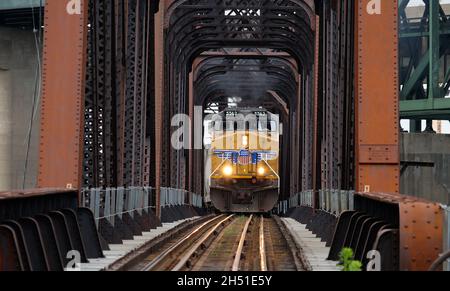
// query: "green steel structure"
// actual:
[[424, 62]]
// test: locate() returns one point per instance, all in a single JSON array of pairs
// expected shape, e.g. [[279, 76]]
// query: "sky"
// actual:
[[420, 2]]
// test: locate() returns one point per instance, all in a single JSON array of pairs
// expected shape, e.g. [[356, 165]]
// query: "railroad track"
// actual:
[[251, 251], [172, 258], [229, 242], [267, 246]]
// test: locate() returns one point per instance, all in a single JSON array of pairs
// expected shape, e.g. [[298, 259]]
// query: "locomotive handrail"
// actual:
[[276, 174], [212, 173]]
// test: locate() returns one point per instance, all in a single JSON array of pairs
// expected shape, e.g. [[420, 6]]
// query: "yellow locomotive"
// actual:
[[244, 160]]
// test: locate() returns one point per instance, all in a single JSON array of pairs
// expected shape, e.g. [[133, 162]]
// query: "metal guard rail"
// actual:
[[110, 203], [331, 201]]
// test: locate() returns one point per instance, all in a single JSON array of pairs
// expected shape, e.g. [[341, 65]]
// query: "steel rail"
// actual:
[[161, 257], [237, 258], [200, 244], [262, 247]]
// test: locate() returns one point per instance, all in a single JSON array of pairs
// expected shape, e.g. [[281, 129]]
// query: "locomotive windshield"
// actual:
[[260, 124]]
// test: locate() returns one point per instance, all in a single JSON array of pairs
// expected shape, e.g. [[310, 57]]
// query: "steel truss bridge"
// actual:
[[116, 73]]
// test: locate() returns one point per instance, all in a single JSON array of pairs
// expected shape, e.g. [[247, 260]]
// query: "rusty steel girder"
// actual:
[[118, 90], [63, 79], [335, 152], [407, 231], [97, 80], [159, 101], [38, 228], [377, 104]]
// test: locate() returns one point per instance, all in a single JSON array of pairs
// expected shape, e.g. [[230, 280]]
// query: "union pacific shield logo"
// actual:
[[244, 158]]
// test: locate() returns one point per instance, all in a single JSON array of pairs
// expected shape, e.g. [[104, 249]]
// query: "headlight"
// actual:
[[245, 141], [227, 170], [261, 171]]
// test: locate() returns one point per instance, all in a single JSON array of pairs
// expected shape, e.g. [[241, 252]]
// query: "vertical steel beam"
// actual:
[[159, 91], [190, 171], [64, 63], [447, 235], [377, 131], [434, 45], [316, 150]]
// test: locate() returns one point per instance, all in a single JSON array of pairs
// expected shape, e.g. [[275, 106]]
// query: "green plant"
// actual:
[[347, 261]]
